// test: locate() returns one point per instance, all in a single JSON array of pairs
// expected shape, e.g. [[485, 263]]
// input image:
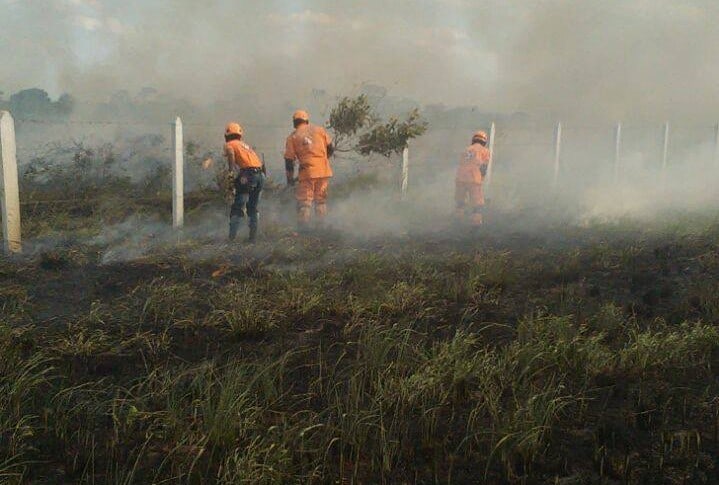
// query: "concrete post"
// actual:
[[665, 151], [716, 145], [617, 144], [405, 171], [178, 184], [557, 152], [490, 165], [9, 191]]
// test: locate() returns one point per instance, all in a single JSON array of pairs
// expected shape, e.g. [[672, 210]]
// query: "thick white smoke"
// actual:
[[588, 64], [611, 59]]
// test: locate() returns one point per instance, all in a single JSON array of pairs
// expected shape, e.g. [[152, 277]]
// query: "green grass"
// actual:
[[489, 360]]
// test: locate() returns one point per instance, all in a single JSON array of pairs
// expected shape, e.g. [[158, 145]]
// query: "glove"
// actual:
[[483, 170], [290, 171]]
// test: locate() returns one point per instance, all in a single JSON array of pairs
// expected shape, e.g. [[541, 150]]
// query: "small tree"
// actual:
[[392, 137], [357, 128], [347, 118]]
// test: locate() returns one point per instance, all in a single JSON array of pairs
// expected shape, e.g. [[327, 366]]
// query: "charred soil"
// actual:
[[569, 355]]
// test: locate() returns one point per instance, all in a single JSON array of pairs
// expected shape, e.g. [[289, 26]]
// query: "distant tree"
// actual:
[[31, 102], [65, 104], [36, 102]]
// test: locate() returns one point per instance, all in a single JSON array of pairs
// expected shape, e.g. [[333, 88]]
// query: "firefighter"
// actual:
[[247, 174], [311, 146], [472, 169]]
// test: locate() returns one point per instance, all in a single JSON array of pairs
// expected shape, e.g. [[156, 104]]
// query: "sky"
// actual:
[[613, 59]]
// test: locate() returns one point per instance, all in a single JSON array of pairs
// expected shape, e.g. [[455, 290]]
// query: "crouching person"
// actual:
[[248, 175]]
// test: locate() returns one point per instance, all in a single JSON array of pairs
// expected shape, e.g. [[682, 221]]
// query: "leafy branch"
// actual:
[[392, 136], [357, 128]]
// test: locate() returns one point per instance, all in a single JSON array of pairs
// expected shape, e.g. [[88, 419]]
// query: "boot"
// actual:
[[234, 227], [303, 220], [253, 234], [476, 219]]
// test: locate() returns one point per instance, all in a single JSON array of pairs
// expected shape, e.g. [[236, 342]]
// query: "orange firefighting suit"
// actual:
[[249, 180], [241, 156], [308, 144], [468, 183]]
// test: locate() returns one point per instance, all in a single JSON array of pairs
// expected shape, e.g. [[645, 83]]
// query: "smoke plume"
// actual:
[[612, 59]]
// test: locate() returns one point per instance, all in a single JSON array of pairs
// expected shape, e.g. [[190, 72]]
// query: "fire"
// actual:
[[220, 271]]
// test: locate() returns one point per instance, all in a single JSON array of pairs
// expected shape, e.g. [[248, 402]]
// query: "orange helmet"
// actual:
[[301, 115], [233, 129], [480, 136]]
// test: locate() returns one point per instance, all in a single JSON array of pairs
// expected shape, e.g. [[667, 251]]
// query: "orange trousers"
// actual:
[[309, 191], [469, 197]]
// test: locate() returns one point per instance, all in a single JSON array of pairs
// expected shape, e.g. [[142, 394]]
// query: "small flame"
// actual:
[[220, 271]]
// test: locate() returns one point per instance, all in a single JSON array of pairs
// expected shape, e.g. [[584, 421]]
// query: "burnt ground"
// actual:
[[602, 307]]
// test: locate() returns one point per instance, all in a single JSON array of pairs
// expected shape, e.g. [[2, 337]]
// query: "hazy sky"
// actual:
[[609, 58]]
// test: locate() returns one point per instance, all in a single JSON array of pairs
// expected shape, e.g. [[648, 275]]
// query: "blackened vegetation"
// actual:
[[587, 357]]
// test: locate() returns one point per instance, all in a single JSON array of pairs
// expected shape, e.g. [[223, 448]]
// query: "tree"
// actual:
[[65, 104], [36, 102], [347, 118], [392, 137], [357, 128], [31, 102]]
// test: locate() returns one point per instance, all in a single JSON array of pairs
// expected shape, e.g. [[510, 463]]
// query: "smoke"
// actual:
[[588, 64], [617, 60], [613, 59]]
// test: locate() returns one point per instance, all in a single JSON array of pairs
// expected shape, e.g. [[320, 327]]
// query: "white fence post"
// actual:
[[9, 191], [490, 165], [665, 151], [617, 145], [405, 171], [557, 152], [178, 185]]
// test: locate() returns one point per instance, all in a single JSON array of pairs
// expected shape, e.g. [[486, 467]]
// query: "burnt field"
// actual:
[[527, 353]]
